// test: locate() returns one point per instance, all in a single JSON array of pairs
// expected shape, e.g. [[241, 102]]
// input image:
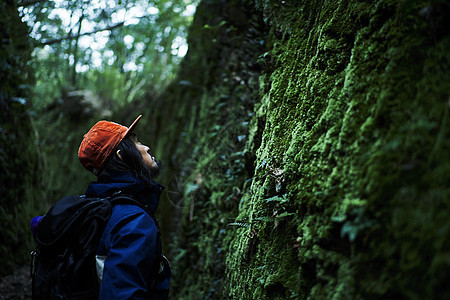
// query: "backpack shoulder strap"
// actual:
[[120, 198]]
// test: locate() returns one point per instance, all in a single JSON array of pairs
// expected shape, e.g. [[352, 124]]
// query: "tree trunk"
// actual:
[[75, 50]]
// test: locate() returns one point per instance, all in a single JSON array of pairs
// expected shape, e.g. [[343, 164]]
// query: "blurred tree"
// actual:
[[91, 59], [117, 49]]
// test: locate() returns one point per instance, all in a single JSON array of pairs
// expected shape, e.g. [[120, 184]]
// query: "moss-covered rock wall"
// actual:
[[351, 189], [20, 162], [198, 128], [307, 151]]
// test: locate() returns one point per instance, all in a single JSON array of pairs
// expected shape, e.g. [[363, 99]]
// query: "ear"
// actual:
[[118, 155]]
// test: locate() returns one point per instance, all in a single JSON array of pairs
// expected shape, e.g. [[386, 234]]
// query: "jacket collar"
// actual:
[[126, 183]]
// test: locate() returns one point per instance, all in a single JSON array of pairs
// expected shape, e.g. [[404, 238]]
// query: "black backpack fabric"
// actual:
[[63, 265]]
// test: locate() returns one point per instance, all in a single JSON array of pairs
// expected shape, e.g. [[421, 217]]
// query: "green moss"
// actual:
[[327, 178], [343, 126], [201, 131]]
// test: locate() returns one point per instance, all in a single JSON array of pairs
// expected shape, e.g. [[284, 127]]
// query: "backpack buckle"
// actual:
[[34, 255]]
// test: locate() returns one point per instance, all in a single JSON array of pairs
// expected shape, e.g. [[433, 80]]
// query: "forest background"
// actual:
[[305, 143]]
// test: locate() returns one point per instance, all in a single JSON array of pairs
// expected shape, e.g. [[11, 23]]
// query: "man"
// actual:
[[129, 262]]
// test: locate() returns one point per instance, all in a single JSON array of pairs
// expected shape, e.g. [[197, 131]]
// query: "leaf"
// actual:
[[279, 199], [191, 187], [265, 219], [274, 199], [349, 230], [239, 224], [285, 214]]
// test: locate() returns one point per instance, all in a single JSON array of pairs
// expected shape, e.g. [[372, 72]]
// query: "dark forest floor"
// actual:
[[17, 285]]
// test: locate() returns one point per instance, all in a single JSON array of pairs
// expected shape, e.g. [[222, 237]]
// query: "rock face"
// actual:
[[308, 151]]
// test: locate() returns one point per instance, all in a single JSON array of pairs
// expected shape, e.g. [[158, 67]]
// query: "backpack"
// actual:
[[63, 264]]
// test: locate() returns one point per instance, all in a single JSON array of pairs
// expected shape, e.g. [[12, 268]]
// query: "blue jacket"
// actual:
[[129, 241]]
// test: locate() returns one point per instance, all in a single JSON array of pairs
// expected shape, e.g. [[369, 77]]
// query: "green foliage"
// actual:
[[20, 159], [59, 143], [82, 76], [118, 50], [76, 82]]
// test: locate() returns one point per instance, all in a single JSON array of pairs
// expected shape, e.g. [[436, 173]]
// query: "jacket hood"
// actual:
[[146, 192]]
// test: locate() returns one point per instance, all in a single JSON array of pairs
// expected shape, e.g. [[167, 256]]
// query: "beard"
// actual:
[[154, 172]]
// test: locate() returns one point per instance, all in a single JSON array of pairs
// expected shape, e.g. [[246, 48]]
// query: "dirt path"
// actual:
[[17, 285]]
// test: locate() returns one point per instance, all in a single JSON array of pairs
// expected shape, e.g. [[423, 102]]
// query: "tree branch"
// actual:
[[29, 3], [71, 37]]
